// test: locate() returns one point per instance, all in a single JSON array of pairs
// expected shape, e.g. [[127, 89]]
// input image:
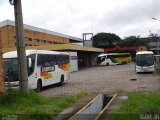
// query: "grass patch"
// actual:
[[34, 106], [138, 106]]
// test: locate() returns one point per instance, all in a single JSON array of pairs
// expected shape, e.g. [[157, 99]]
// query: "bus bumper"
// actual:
[[145, 69], [12, 86]]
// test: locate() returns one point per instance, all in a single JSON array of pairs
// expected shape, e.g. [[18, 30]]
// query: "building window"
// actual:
[[54, 42], [43, 41], [27, 39], [36, 40], [28, 45], [50, 42], [30, 39]]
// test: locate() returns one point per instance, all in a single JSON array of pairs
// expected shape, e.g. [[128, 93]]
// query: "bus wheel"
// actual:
[[39, 86], [62, 80], [107, 64]]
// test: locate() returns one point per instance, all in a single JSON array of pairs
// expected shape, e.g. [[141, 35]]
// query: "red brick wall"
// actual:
[[8, 34], [2, 84]]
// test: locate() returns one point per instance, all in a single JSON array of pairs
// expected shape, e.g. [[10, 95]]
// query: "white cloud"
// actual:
[[74, 17], [6, 11]]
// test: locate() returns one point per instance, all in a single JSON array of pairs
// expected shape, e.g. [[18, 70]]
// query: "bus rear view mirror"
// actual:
[[29, 62]]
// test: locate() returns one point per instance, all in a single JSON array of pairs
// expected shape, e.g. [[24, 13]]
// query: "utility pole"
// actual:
[[22, 62]]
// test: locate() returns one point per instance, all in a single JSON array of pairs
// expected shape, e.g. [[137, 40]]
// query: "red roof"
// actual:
[[117, 47]]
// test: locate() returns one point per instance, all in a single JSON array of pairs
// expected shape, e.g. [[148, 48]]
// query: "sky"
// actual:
[[74, 17]]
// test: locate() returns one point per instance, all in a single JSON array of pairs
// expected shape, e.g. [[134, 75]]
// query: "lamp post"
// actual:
[[155, 19], [158, 37], [22, 62]]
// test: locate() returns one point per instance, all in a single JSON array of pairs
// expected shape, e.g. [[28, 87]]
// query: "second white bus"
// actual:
[[44, 68], [144, 61], [113, 59]]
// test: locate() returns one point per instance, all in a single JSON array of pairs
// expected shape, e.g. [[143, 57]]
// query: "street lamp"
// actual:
[[12, 2], [155, 19]]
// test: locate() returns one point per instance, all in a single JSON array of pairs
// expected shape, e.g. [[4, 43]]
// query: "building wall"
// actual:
[[154, 43], [88, 43], [32, 38], [73, 61], [2, 84], [4, 37]]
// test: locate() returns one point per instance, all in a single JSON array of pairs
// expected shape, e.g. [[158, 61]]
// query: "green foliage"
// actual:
[[134, 41], [34, 106], [105, 40], [138, 104]]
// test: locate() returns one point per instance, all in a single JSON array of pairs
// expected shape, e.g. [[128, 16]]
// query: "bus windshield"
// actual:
[[145, 59], [100, 59], [11, 70]]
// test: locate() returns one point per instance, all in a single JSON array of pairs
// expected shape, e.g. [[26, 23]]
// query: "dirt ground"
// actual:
[[106, 80]]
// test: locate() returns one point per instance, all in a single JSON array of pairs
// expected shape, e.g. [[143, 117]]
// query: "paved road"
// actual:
[[106, 79]]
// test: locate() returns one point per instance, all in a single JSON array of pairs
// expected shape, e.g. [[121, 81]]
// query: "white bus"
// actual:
[[113, 59], [44, 68], [144, 61]]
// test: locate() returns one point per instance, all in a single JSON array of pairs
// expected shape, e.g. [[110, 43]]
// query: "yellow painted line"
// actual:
[[84, 107], [105, 107]]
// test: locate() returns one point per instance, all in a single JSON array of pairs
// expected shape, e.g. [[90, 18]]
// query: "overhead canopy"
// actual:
[[64, 47]]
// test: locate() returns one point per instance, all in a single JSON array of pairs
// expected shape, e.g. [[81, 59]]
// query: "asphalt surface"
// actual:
[[106, 80]]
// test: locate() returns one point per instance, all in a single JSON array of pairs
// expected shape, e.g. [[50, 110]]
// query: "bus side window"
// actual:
[[67, 58], [63, 59], [108, 56], [59, 61], [53, 60], [40, 60], [47, 60]]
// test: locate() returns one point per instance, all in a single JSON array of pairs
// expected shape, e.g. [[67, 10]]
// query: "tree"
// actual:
[[132, 41], [105, 40], [153, 35]]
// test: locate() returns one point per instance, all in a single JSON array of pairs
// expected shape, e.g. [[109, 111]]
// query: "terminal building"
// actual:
[[38, 38], [154, 43]]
